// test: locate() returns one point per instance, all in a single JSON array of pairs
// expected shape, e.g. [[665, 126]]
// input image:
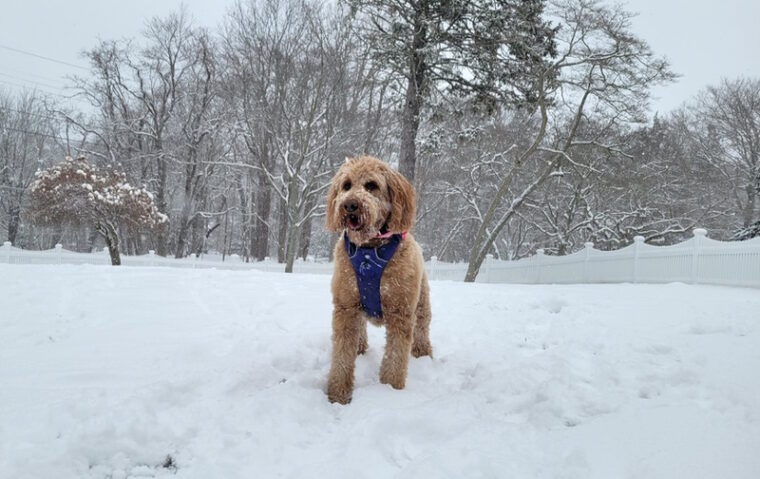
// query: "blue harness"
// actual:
[[369, 264]]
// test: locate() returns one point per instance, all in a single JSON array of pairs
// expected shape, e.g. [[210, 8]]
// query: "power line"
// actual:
[[47, 92], [46, 85], [46, 78], [31, 87], [29, 113], [37, 133], [23, 52], [45, 135], [73, 101]]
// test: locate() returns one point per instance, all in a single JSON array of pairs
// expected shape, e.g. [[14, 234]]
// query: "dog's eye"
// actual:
[[370, 186], [346, 186]]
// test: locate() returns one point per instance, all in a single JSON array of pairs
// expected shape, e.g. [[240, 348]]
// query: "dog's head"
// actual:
[[367, 197]]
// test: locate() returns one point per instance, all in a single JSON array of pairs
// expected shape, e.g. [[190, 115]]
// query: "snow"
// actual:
[[106, 372]]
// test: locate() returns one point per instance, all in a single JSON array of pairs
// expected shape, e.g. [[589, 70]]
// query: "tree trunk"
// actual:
[[113, 251], [246, 227], [200, 235], [260, 233], [410, 123], [410, 117], [184, 228], [112, 241], [91, 238], [306, 228], [290, 254], [282, 234], [13, 223], [305, 242], [748, 215], [473, 268], [162, 241]]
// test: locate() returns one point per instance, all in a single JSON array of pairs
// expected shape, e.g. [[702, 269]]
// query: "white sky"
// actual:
[[704, 39]]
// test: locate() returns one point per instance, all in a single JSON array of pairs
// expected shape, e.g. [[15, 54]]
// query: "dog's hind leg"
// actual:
[[421, 343], [345, 345]]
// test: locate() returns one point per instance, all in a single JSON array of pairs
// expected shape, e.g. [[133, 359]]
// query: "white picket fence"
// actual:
[[698, 260]]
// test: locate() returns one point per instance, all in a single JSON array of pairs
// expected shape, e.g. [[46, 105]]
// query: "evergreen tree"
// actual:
[[488, 49]]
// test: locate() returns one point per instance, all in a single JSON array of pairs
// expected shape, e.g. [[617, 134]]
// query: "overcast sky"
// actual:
[[705, 40]]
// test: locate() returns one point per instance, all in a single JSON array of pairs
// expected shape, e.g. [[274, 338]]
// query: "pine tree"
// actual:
[[487, 49]]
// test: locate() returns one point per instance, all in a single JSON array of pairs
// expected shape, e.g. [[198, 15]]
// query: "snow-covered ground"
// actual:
[[141, 372]]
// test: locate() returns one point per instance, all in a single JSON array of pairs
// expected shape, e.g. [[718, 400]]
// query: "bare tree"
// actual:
[[724, 122], [28, 136], [136, 96], [200, 125], [602, 70], [302, 98]]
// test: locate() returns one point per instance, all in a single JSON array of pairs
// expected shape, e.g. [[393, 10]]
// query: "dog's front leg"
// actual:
[[398, 345], [345, 345]]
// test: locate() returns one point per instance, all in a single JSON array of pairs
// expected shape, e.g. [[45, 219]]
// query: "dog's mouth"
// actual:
[[354, 222]]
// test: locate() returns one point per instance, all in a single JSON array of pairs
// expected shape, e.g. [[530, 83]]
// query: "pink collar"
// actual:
[[390, 233]]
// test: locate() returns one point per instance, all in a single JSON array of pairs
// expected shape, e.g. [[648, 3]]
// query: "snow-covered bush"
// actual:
[[79, 193]]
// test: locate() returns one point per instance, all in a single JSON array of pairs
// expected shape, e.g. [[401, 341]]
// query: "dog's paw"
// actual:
[[339, 398], [339, 389], [420, 350], [396, 380]]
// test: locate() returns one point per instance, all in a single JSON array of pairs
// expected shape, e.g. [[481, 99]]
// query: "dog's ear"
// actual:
[[403, 202], [332, 222]]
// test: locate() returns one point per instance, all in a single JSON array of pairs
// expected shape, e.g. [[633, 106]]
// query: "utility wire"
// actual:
[[46, 85], [23, 52], [46, 78], [47, 92], [37, 115], [45, 135]]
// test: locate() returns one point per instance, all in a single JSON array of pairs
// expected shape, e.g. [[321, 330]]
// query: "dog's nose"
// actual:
[[350, 206]]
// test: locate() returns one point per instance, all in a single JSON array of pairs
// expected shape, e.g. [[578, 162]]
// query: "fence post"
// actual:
[[58, 252], [7, 248], [151, 257], [699, 235], [539, 264], [587, 247], [637, 242], [433, 261]]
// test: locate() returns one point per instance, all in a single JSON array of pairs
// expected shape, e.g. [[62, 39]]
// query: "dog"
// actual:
[[379, 274]]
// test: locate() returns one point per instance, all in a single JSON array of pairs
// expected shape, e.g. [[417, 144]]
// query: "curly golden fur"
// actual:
[[367, 197]]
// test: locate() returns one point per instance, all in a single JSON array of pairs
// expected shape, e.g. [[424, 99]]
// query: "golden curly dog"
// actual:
[[374, 206]]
